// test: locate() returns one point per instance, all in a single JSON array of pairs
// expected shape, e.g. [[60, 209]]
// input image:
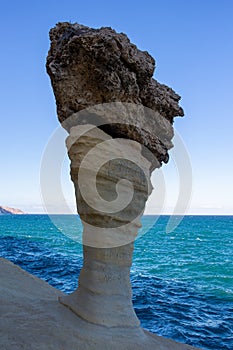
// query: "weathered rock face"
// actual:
[[32, 319], [95, 66], [120, 124], [111, 219]]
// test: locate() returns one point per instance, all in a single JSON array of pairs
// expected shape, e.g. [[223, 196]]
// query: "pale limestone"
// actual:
[[102, 81], [110, 226], [32, 319]]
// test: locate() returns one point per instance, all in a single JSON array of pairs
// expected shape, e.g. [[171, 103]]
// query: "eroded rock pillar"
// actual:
[[104, 83], [111, 218]]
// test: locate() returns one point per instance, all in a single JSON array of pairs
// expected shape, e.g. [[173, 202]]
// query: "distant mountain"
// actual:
[[11, 211]]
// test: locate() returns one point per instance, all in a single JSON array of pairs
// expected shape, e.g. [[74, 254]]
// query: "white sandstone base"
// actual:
[[31, 318]]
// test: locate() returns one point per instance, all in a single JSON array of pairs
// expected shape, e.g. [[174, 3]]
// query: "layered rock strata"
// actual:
[[109, 227], [120, 124]]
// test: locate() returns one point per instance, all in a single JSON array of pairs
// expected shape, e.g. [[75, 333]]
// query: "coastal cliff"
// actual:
[[10, 211]]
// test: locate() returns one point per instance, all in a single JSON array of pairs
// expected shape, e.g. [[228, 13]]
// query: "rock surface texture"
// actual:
[[95, 66], [32, 319], [104, 293], [120, 124]]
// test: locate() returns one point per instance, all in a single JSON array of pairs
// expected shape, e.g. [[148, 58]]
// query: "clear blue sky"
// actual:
[[192, 42]]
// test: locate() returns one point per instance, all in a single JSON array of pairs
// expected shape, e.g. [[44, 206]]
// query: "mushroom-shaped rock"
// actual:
[[89, 66], [119, 121]]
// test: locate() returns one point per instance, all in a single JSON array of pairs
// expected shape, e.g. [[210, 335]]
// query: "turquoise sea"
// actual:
[[182, 281]]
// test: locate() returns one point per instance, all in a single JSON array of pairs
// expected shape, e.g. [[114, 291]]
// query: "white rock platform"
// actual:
[[31, 318]]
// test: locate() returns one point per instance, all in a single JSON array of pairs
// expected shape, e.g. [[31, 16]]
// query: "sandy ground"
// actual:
[[31, 318]]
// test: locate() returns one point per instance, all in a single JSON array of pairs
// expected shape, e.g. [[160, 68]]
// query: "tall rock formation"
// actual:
[[119, 121]]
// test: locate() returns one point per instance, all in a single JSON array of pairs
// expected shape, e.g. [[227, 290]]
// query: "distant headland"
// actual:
[[11, 211]]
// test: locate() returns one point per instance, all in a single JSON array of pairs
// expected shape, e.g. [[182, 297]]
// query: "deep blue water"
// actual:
[[182, 281]]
